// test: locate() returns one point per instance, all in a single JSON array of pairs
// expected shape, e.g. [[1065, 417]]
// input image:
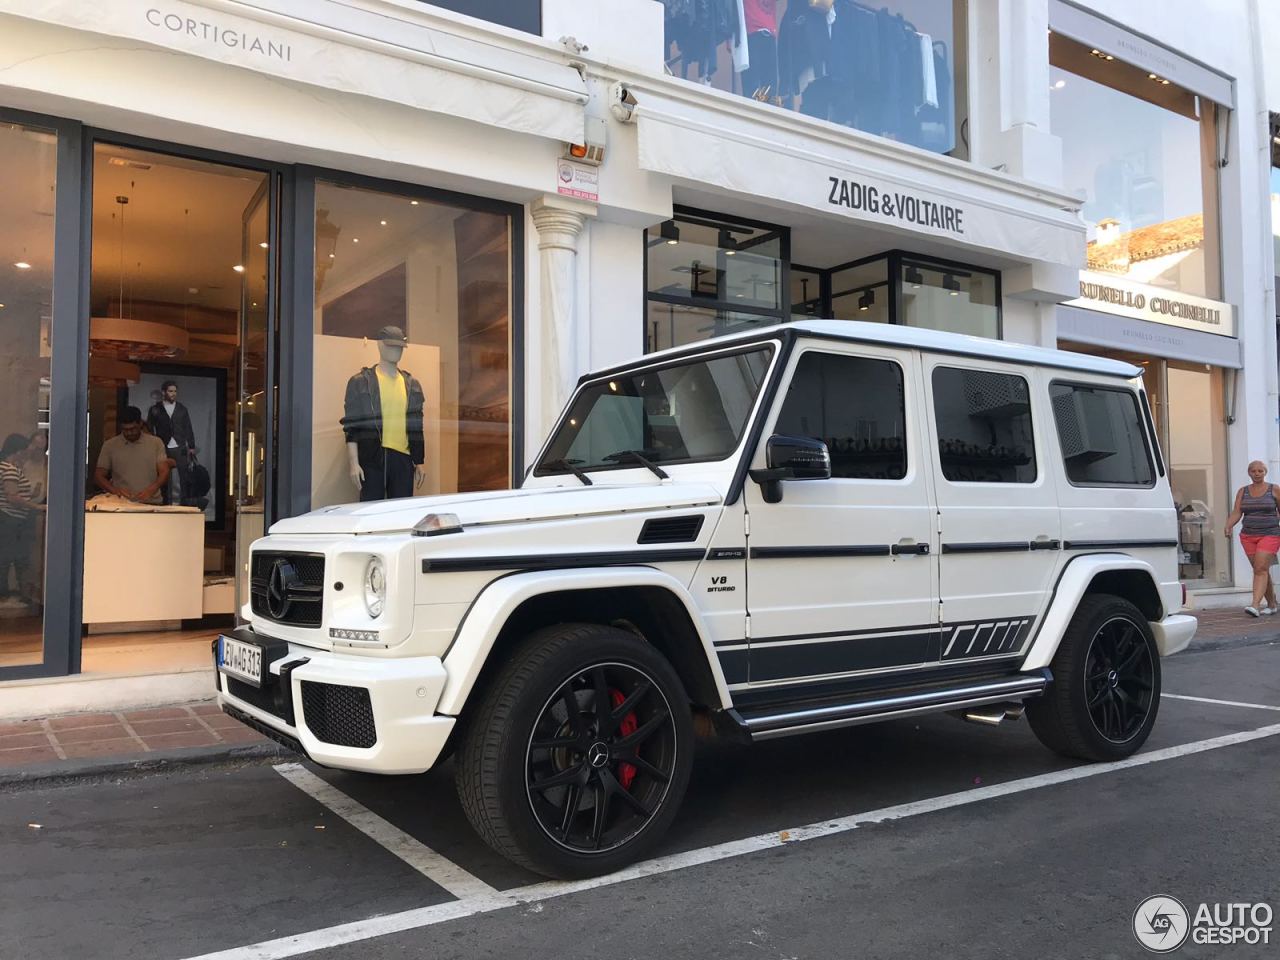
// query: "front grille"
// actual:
[[305, 588], [339, 714]]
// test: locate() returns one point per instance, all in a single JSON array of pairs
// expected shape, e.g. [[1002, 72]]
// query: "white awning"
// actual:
[[418, 59], [740, 148]]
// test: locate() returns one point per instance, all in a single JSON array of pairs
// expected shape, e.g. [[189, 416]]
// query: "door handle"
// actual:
[[1045, 544], [919, 549]]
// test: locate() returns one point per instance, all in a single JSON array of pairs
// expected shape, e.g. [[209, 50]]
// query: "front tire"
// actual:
[[576, 759], [1105, 692]]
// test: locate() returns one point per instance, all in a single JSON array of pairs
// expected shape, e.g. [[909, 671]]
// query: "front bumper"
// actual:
[[388, 704], [1173, 633]]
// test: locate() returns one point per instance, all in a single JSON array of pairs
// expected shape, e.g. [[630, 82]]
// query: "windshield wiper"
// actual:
[[571, 466], [636, 456]]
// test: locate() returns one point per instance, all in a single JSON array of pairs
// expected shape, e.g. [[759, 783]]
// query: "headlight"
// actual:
[[375, 586]]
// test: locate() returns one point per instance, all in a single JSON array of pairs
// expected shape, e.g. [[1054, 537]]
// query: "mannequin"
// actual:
[[382, 422]]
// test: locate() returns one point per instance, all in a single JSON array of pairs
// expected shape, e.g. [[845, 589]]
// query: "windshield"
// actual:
[[683, 412]]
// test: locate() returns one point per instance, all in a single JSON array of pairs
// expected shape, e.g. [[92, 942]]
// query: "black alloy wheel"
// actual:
[[574, 758], [1105, 694], [1119, 679], [601, 757]]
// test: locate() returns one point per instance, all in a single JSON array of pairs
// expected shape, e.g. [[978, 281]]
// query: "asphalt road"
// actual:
[[1024, 855]]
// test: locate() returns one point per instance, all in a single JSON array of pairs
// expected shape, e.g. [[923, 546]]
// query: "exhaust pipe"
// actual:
[[994, 714]]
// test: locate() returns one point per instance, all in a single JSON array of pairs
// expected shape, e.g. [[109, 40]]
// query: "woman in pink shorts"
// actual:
[[1259, 506]]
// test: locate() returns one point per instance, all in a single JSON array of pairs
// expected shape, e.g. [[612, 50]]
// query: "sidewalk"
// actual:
[[99, 744], [85, 744]]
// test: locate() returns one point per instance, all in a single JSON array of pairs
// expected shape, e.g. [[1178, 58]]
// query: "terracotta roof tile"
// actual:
[[1147, 243]]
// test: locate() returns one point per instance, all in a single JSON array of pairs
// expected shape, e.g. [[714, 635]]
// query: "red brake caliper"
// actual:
[[626, 771]]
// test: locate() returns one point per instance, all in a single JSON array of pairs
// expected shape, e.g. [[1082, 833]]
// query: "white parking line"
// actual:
[[360, 930], [1221, 703], [422, 858]]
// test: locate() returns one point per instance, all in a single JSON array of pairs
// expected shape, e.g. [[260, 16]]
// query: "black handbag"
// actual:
[[199, 479]]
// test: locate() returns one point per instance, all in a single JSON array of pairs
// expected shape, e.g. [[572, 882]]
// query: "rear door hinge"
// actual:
[[746, 627], [746, 524]]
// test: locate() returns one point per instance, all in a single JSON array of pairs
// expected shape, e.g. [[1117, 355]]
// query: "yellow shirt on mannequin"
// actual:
[[395, 404]]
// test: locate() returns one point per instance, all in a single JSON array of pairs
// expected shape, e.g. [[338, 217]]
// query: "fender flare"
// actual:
[[1072, 585], [490, 610]]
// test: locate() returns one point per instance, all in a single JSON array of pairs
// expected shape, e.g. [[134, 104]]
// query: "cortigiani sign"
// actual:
[[1108, 294]]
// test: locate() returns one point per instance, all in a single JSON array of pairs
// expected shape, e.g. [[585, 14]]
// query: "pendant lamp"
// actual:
[[123, 338]]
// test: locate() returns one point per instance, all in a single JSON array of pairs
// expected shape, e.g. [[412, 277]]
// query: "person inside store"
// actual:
[[170, 420], [133, 464], [21, 504], [1258, 505], [382, 422]]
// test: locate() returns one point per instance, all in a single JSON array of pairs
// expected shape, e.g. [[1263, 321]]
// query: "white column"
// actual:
[[559, 225]]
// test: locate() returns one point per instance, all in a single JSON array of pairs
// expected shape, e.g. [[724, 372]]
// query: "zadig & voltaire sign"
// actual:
[[1108, 294]]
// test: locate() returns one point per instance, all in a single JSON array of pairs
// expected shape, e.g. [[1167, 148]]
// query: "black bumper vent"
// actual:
[[671, 530], [287, 588], [339, 714]]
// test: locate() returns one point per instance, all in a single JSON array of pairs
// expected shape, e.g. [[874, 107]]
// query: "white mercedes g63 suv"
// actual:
[[802, 527]]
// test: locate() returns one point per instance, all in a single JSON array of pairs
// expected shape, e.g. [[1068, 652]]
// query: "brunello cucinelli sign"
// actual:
[[1126, 298], [898, 206], [217, 34]]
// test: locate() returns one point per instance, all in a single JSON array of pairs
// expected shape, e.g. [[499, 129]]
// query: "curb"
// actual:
[[139, 765]]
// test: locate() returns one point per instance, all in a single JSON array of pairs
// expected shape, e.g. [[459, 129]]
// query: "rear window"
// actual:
[[984, 426], [1100, 432]]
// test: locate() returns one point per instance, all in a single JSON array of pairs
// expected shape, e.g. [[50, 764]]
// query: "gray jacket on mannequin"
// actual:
[[362, 416]]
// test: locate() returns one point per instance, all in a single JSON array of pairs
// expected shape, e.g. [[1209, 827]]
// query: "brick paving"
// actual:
[[129, 734], [1232, 623]]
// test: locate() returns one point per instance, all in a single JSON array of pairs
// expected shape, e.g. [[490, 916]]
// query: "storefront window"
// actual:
[[861, 292], [27, 167], [412, 350], [894, 69], [953, 298], [1143, 152], [523, 15], [708, 276], [806, 293]]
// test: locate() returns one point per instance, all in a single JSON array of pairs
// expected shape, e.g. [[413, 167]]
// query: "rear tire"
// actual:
[[575, 761], [1105, 692]]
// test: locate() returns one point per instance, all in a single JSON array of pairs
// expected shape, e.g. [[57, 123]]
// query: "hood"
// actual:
[[500, 506]]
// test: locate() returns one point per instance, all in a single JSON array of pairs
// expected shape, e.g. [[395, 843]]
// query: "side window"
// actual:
[[855, 406], [1100, 432], [984, 426]]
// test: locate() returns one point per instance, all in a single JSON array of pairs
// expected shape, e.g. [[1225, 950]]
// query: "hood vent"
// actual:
[[671, 530]]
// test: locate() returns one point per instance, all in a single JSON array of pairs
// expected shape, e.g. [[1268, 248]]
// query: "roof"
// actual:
[[1147, 243], [917, 338]]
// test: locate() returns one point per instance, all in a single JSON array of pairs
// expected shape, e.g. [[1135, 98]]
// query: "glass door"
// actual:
[[250, 460], [28, 168]]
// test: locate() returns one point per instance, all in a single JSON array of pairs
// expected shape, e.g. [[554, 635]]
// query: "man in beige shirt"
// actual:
[[134, 464]]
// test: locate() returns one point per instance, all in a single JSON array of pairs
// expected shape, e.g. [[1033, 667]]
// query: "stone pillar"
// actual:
[[1009, 79], [559, 225]]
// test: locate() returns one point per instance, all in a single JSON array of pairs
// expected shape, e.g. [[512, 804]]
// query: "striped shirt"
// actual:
[[1260, 514], [11, 473]]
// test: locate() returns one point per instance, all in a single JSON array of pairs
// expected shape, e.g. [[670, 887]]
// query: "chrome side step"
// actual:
[[783, 722]]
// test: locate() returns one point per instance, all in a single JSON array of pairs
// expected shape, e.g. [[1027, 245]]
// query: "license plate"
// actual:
[[240, 660]]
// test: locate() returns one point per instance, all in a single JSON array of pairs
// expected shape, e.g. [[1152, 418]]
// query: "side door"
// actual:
[[997, 504], [840, 572]]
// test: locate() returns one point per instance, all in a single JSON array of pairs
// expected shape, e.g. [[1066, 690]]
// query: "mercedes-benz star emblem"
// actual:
[[280, 585], [598, 755]]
